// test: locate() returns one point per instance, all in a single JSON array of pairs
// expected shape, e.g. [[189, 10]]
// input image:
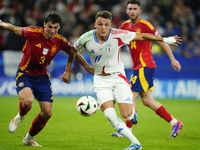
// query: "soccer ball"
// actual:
[[86, 105]]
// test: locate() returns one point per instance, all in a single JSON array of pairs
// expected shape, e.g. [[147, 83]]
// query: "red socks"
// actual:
[[162, 112], [23, 111], [37, 125], [129, 124]]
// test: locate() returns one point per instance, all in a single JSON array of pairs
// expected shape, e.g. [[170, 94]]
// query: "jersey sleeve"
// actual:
[[128, 36], [25, 32], [79, 44], [150, 29], [65, 44]]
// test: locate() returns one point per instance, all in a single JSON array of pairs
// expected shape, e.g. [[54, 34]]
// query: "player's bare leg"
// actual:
[[24, 107], [148, 101]]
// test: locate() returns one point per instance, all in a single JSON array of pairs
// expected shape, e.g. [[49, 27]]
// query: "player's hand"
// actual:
[[172, 40], [66, 76], [176, 65], [178, 39]]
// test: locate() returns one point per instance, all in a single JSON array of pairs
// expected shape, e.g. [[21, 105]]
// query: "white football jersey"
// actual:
[[105, 57]]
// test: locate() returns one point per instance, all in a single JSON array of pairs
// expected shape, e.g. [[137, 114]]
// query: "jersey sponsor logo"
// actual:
[[92, 51], [38, 45], [45, 51], [108, 47]]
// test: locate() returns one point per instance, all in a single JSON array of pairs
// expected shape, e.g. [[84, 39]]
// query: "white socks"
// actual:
[[119, 125]]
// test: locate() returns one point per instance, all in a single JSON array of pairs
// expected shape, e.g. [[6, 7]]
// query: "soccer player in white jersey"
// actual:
[[110, 82]]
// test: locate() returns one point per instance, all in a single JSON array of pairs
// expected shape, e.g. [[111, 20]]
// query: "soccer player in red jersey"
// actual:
[[40, 47], [141, 81]]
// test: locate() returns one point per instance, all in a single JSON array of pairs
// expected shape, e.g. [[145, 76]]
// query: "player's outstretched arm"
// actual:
[[81, 60], [175, 64], [67, 74], [10, 27], [172, 40]]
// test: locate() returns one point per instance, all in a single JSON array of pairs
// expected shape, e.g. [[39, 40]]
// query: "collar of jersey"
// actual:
[[95, 37]]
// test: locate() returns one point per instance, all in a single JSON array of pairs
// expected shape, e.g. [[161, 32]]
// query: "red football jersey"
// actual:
[[38, 52], [141, 50]]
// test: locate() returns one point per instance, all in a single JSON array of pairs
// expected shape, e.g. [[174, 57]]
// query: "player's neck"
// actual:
[[101, 39], [135, 21]]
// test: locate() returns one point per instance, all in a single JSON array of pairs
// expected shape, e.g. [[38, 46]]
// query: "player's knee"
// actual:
[[46, 114], [127, 115], [130, 115], [146, 102], [27, 102]]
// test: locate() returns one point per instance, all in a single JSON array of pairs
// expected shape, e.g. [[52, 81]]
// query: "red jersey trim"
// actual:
[[120, 42]]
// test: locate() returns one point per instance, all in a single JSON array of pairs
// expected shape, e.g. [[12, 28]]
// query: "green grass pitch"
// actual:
[[67, 130]]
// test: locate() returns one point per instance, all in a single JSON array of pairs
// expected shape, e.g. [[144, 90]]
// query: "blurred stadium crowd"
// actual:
[[169, 17]]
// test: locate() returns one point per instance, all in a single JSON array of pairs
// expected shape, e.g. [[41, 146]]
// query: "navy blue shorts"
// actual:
[[142, 79], [40, 85]]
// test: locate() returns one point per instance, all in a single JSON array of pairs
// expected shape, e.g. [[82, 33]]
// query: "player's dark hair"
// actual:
[[54, 18], [133, 2], [104, 14]]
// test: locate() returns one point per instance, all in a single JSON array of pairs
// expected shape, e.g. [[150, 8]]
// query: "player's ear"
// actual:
[[44, 24], [126, 11], [95, 24]]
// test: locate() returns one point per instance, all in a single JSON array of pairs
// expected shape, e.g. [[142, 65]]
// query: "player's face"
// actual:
[[50, 30], [133, 11], [102, 26]]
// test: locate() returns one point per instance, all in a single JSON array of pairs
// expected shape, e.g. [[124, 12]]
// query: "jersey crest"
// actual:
[[138, 30], [45, 51], [108, 47], [53, 50]]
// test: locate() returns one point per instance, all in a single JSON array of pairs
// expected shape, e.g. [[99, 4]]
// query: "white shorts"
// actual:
[[112, 87]]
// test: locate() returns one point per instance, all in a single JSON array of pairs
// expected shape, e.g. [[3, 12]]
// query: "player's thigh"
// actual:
[[24, 88], [146, 96], [107, 104], [142, 79], [104, 95], [26, 93], [123, 96], [103, 87], [42, 89]]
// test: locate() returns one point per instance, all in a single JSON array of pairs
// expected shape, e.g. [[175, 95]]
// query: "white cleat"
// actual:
[[15, 122], [30, 141]]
